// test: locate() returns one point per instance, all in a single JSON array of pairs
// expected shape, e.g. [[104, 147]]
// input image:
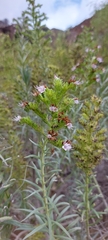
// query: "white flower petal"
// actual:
[[76, 101], [77, 82], [94, 66], [41, 89], [99, 46], [66, 146], [99, 59], [87, 50], [49, 136], [97, 78], [55, 76], [17, 118], [73, 68], [69, 125]]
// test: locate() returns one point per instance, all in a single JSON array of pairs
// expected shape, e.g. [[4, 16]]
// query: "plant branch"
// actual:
[[87, 205]]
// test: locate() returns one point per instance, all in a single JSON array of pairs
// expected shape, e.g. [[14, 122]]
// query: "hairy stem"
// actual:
[[87, 206], [51, 235]]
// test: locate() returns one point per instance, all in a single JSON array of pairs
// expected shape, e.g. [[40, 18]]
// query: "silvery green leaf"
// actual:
[[38, 196], [62, 204], [39, 219], [36, 229], [62, 237], [31, 183], [62, 228], [80, 205], [32, 212], [52, 206], [83, 215], [62, 212], [1, 177], [98, 214], [73, 222], [53, 197], [74, 229], [54, 179], [21, 226], [5, 218], [65, 217], [58, 198]]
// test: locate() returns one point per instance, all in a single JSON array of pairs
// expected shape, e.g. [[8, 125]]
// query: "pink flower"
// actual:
[[77, 83], [23, 104], [55, 76], [99, 46], [73, 68], [49, 136], [69, 125], [97, 78], [73, 77], [66, 146], [87, 50], [53, 109], [76, 100], [41, 89], [103, 70], [99, 59], [17, 118], [94, 66]]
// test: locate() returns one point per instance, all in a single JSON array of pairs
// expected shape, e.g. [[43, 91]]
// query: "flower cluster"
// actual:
[[65, 119], [94, 61], [72, 80], [90, 137], [23, 104], [52, 135], [51, 114]]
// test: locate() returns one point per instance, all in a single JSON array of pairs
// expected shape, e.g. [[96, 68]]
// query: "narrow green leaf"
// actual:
[[37, 229], [62, 228], [2, 219]]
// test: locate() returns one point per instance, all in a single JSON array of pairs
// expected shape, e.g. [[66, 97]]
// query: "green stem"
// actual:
[[51, 235], [87, 205]]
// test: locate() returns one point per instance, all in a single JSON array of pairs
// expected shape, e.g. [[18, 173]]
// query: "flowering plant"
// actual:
[[52, 106]]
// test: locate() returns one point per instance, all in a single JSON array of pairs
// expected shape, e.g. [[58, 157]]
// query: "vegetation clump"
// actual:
[[53, 115]]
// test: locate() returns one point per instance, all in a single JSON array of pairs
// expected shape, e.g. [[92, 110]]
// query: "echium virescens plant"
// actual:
[[88, 63], [33, 45], [31, 58], [51, 105], [88, 150], [32, 48]]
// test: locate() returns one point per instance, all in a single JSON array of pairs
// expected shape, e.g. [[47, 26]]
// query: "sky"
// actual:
[[61, 13]]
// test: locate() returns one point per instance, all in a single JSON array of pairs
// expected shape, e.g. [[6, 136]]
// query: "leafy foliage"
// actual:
[[53, 82]]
